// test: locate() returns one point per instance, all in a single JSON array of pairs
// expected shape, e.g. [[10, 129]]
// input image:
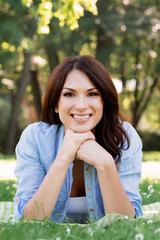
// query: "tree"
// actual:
[[128, 43], [124, 36], [30, 19], [15, 110]]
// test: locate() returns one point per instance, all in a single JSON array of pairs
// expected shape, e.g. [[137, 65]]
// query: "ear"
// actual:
[[56, 109]]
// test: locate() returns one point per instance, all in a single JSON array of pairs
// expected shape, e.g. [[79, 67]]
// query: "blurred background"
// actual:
[[35, 35]]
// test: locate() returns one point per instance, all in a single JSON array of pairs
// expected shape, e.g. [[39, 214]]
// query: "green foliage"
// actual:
[[128, 32], [70, 11], [151, 156], [151, 141], [4, 113], [149, 188], [8, 190], [128, 230], [134, 34], [6, 157], [122, 229], [151, 117], [27, 2], [150, 191], [45, 14]]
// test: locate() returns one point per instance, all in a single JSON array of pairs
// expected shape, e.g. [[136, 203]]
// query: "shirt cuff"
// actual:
[[138, 209], [18, 208]]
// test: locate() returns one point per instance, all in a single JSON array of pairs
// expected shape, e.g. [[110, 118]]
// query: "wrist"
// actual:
[[105, 164], [62, 161]]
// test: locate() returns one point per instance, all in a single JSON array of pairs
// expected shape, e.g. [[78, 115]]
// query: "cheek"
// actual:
[[64, 115], [101, 110], [101, 106]]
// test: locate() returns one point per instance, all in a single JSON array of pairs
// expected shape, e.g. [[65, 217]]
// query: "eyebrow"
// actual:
[[71, 89]]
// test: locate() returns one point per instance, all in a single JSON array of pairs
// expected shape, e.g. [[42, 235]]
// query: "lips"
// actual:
[[81, 117]]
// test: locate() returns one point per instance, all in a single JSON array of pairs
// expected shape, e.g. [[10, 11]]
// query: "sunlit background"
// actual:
[[36, 35]]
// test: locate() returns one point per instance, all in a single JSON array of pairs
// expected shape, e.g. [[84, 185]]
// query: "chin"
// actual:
[[81, 130], [78, 131]]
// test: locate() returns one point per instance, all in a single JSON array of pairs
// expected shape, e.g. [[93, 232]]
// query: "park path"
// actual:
[[7, 170], [149, 170]]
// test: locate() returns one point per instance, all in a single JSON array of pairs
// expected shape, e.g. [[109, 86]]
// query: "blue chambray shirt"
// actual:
[[36, 151]]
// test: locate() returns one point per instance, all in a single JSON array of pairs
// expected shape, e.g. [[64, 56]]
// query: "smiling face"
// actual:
[[80, 106]]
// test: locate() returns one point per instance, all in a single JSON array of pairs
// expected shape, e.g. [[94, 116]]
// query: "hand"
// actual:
[[93, 153], [72, 142]]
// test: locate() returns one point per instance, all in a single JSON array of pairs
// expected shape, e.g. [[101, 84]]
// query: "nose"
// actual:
[[81, 103]]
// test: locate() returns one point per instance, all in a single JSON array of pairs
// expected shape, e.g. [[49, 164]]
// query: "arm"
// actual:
[[42, 199], [119, 184], [115, 198]]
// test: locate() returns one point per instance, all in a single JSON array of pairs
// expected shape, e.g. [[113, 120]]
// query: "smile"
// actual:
[[81, 117]]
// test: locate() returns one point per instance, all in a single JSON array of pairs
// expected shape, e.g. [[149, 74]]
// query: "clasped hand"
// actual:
[[84, 147]]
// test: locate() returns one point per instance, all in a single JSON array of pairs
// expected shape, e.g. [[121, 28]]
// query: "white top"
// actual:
[[77, 210]]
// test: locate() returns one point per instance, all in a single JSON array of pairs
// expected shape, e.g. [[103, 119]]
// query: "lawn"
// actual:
[[149, 189], [11, 157], [121, 230], [127, 229], [152, 156]]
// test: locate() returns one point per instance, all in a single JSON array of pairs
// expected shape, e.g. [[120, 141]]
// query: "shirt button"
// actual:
[[87, 168], [89, 189], [91, 210]]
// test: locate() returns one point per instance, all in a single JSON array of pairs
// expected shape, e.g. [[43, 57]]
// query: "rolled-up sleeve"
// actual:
[[29, 170], [129, 169]]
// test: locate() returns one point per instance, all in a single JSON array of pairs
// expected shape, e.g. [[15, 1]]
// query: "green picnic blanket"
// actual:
[[150, 210]]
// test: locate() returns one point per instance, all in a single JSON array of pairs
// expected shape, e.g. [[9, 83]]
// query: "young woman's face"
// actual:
[[80, 106]]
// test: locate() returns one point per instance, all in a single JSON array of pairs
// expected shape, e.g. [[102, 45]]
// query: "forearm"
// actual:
[[115, 198], [42, 203]]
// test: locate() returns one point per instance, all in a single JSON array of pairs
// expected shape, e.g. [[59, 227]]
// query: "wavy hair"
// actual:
[[109, 132]]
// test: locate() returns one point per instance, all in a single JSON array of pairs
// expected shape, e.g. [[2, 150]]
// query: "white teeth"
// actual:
[[81, 117]]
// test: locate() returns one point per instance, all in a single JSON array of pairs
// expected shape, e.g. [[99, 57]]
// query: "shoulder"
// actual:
[[41, 130], [135, 143], [128, 127], [132, 133], [40, 127], [131, 157]]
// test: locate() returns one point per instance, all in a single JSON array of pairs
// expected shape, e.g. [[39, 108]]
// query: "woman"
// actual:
[[81, 161]]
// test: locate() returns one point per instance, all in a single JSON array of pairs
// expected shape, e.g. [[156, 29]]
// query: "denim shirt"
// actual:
[[37, 150]]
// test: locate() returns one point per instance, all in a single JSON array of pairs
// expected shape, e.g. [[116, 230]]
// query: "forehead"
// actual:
[[76, 79]]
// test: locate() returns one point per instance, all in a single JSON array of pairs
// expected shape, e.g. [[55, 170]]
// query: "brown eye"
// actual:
[[68, 94], [93, 94]]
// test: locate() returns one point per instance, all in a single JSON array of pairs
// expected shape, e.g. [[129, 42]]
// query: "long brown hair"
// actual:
[[109, 132]]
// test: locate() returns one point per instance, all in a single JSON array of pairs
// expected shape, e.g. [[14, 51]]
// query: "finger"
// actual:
[[87, 136], [77, 158]]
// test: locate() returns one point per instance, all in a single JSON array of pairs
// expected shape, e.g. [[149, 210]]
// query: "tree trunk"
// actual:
[[140, 106], [12, 125], [104, 42], [52, 56], [122, 59], [36, 91]]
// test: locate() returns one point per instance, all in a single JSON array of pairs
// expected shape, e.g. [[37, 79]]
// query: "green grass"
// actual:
[[147, 156], [149, 190], [128, 229], [151, 156], [11, 157], [7, 190], [121, 230]]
